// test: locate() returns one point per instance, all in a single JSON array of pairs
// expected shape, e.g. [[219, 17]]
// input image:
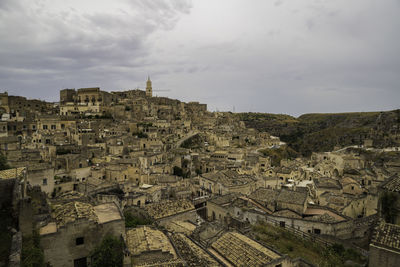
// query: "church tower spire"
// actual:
[[149, 89]]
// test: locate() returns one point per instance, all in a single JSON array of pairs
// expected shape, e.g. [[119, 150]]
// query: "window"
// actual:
[[53, 127], [82, 262], [44, 181], [44, 127], [282, 224], [79, 241], [317, 231]]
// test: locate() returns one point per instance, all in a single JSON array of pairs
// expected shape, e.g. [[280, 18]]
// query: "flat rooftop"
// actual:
[[107, 212]]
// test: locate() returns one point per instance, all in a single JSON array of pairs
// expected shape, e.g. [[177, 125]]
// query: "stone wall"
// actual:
[[216, 212], [379, 256], [43, 178], [60, 248]]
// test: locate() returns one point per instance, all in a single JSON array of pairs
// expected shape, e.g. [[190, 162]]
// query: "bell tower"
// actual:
[[149, 89]]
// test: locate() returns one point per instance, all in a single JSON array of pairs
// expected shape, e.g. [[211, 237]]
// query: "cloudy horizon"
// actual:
[[292, 57]]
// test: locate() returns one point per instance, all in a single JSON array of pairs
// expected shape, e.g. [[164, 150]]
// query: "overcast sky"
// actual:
[[278, 56]]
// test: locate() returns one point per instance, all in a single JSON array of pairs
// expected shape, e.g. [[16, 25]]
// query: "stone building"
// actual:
[[219, 208], [19, 106], [149, 89], [227, 181], [85, 100], [389, 200], [76, 229], [384, 249], [292, 200], [150, 247], [42, 175], [235, 249]]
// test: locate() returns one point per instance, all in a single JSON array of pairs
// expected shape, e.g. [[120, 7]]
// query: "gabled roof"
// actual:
[[11, 173], [392, 184], [292, 197], [387, 235], [228, 178], [222, 200], [326, 182], [264, 195]]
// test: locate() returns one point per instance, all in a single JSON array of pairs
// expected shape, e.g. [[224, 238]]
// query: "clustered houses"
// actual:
[[95, 154]]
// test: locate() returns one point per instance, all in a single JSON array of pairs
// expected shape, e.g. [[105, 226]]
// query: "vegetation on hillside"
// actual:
[[140, 134], [193, 142], [322, 132], [277, 154]]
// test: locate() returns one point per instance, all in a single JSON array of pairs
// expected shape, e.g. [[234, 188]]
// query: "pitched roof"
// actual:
[[326, 182], [264, 195], [11, 173], [393, 184], [293, 197], [229, 178], [225, 199], [70, 212], [168, 208], [243, 251], [387, 235]]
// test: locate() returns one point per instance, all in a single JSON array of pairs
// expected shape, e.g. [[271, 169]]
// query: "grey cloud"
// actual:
[[328, 56], [68, 47]]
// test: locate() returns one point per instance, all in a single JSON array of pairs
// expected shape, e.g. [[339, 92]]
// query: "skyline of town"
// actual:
[[276, 56]]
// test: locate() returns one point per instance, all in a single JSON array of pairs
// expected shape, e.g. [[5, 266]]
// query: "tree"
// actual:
[[133, 221], [3, 162], [109, 253], [32, 254], [388, 204], [178, 171]]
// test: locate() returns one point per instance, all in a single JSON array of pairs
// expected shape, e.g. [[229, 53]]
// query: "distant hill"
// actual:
[[322, 132]]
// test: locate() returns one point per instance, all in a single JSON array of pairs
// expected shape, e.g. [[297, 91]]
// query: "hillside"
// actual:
[[322, 132]]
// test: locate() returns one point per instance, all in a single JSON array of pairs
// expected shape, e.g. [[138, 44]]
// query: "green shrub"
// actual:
[[32, 255], [132, 221], [109, 253]]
